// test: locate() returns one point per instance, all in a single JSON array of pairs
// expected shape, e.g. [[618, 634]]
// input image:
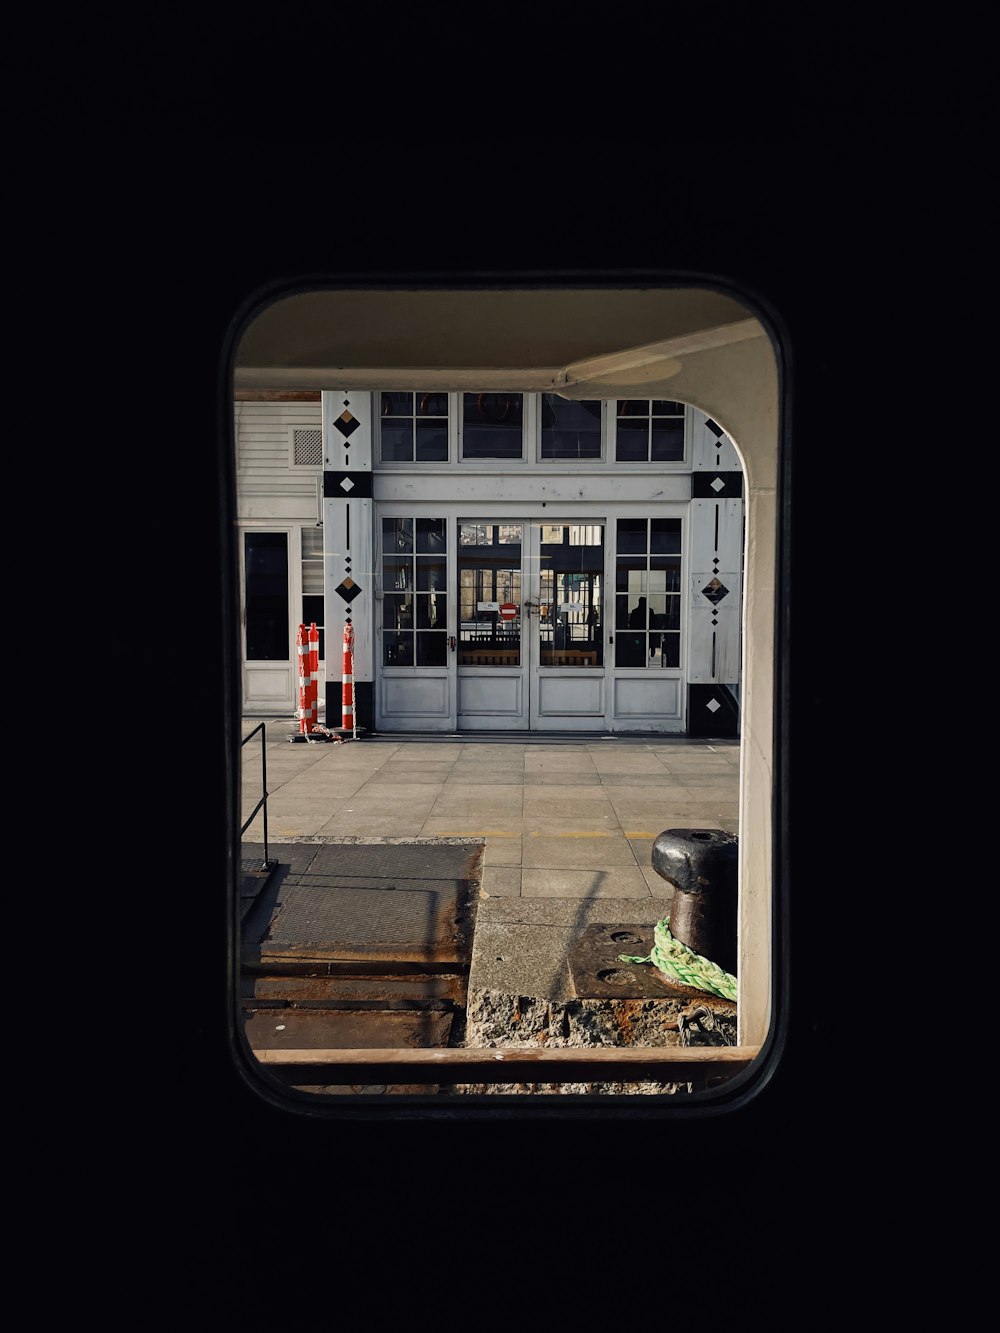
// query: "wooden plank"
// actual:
[[277, 396], [511, 1065]]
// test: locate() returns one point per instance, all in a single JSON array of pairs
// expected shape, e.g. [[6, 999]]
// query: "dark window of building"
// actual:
[[414, 592], [413, 428], [266, 565], [649, 430], [569, 429], [648, 593], [492, 425]]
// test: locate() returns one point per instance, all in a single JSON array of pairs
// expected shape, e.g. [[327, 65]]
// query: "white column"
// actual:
[[348, 547]]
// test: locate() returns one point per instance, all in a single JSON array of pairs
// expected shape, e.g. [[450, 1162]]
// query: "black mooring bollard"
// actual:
[[701, 864]]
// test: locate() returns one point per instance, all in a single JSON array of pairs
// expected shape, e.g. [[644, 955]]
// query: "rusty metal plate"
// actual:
[[597, 973], [364, 1029], [354, 989]]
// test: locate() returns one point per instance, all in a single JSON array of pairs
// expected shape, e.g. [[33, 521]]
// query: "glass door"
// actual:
[[493, 647], [567, 609]]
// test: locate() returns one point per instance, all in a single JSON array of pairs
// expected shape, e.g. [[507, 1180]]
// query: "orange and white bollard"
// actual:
[[302, 654], [312, 672], [348, 718]]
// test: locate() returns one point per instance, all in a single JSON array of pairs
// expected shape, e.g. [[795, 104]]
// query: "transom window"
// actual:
[[649, 430], [492, 425], [413, 427], [648, 593], [570, 429], [414, 595]]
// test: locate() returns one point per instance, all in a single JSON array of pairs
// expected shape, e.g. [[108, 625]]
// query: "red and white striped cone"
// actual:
[[312, 673], [302, 654], [349, 722]]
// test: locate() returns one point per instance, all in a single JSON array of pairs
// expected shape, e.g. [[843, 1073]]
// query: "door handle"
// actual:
[[452, 643]]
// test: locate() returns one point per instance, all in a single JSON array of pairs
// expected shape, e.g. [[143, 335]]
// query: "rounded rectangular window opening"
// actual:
[[685, 535]]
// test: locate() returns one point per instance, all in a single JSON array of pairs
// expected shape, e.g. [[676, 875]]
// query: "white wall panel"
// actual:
[[649, 696], [495, 696], [411, 697], [571, 694]]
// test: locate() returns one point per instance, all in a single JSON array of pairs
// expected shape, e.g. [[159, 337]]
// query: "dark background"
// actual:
[[759, 147]]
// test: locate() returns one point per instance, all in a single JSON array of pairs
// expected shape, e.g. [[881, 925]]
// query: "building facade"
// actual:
[[507, 561]]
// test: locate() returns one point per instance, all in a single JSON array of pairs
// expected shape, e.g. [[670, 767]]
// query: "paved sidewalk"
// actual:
[[561, 818]]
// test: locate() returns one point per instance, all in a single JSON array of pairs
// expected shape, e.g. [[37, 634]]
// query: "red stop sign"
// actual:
[[508, 611]]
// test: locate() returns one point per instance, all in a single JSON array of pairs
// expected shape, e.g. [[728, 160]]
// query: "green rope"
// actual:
[[689, 968]]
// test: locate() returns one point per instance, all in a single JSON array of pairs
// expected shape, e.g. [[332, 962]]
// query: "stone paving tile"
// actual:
[[614, 882], [564, 791], [560, 807], [411, 775], [459, 827], [356, 825], [580, 778], [408, 793], [576, 853], [502, 881], [486, 777], [483, 793], [503, 851], [593, 820]]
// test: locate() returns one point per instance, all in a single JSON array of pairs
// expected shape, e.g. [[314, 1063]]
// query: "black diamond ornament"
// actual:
[[348, 590], [715, 591], [347, 424]]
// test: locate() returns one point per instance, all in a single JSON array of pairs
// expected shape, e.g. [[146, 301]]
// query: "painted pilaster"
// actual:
[[348, 576], [714, 581]]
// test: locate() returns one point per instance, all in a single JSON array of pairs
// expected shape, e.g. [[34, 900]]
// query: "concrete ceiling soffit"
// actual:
[[635, 371]]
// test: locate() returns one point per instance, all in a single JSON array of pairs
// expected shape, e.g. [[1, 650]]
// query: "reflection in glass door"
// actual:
[[492, 653], [567, 685], [531, 625]]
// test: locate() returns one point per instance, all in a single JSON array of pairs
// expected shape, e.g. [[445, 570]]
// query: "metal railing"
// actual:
[[262, 803]]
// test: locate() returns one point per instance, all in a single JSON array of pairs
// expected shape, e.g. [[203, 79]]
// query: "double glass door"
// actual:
[[530, 643]]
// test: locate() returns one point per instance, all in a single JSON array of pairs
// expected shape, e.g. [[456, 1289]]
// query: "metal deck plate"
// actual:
[[597, 973], [404, 902]]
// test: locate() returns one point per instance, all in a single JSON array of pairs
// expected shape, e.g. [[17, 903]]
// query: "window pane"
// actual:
[[267, 606], [665, 536], [432, 405], [397, 534], [397, 611], [397, 442], [431, 611], [430, 535], [492, 425], [665, 573], [663, 408], [431, 573], [397, 573], [432, 649], [631, 575], [397, 649], [671, 649], [397, 404], [631, 535], [432, 442], [630, 650], [667, 443], [570, 430], [632, 442], [672, 616], [633, 407]]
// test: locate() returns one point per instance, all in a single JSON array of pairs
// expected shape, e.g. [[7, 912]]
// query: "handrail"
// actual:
[[263, 780]]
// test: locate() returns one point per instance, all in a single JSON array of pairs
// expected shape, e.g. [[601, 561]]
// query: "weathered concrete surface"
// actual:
[[521, 990]]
